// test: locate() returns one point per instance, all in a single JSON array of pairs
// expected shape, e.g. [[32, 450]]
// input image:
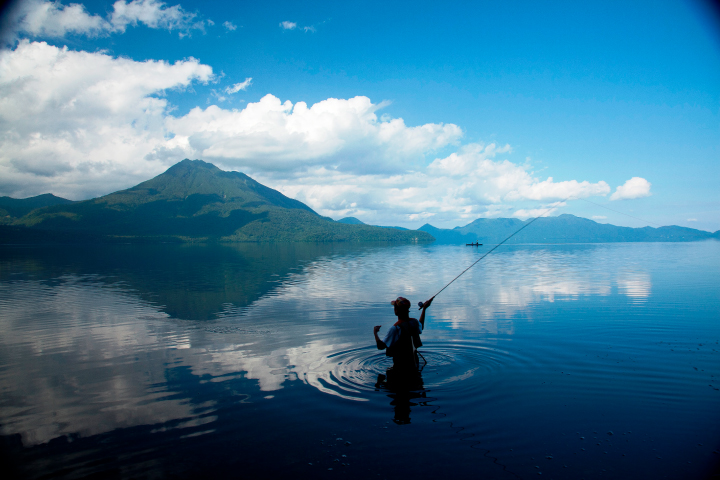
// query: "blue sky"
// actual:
[[443, 113]]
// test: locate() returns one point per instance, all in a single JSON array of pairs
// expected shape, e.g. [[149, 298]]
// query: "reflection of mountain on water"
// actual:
[[193, 282]]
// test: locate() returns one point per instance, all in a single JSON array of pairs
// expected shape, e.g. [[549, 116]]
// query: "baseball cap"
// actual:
[[401, 302]]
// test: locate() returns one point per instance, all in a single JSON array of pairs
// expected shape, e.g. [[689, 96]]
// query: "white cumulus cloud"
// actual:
[[275, 135], [473, 171], [229, 26], [636, 187], [53, 19], [80, 123], [452, 190], [239, 86]]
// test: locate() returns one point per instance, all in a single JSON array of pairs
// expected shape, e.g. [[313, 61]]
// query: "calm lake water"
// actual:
[[258, 361]]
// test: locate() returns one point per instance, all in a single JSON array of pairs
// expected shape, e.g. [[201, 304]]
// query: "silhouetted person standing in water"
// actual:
[[403, 338]]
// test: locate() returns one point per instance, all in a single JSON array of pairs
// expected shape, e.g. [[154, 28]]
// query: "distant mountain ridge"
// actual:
[[196, 201], [564, 228], [14, 208], [355, 221], [351, 221]]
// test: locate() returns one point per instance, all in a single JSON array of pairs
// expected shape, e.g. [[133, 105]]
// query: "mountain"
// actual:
[[196, 201], [564, 228], [355, 221], [351, 221], [444, 235], [13, 208]]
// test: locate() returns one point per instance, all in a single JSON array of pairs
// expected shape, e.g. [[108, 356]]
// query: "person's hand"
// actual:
[[376, 328], [428, 302]]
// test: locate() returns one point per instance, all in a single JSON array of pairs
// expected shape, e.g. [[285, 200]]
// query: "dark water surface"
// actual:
[[258, 361]]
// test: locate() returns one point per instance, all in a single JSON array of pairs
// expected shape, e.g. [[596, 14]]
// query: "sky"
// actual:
[[396, 113]]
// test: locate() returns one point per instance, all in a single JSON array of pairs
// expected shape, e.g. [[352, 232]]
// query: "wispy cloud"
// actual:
[[239, 86], [287, 25], [220, 97], [229, 26], [599, 217], [153, 14], [37, 18]]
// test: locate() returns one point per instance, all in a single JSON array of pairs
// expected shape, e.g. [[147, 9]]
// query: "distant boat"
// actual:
[[473, 244]]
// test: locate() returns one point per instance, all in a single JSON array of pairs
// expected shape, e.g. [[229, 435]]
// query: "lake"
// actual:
[[258, 361]]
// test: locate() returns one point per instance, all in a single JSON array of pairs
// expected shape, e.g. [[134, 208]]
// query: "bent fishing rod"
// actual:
[[421, 304]]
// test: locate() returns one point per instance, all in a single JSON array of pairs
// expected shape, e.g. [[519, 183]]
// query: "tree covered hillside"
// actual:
[[195, 200]]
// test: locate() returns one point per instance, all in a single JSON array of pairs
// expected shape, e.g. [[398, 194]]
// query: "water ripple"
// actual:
[[455, 368]]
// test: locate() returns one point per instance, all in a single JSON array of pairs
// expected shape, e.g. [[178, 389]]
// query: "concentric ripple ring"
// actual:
[[456, 368]]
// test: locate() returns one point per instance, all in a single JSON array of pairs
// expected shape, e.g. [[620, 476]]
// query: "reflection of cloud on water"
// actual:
[[78, 372], [309, 364], [636, 285], [569, 289], [96, 358], [504, 285], [511, 281], [272, 369]]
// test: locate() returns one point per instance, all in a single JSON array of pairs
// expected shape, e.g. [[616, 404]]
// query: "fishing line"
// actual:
[[420, 304], [616, 211]]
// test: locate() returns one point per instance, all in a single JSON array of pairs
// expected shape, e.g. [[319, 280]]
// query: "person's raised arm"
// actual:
[[380, 344], [422, 315]]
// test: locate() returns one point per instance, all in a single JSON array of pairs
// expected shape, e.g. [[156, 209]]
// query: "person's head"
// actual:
[[402, 306]]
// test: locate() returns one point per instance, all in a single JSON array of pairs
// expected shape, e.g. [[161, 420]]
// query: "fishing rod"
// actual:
[[421, 304]]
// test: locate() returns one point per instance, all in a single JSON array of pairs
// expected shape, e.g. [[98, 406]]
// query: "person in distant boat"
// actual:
[[403, 338]]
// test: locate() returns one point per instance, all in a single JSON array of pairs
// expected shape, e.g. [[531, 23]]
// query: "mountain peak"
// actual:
[[196, 200], [190, 165], [351, 221], [206, 183]]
